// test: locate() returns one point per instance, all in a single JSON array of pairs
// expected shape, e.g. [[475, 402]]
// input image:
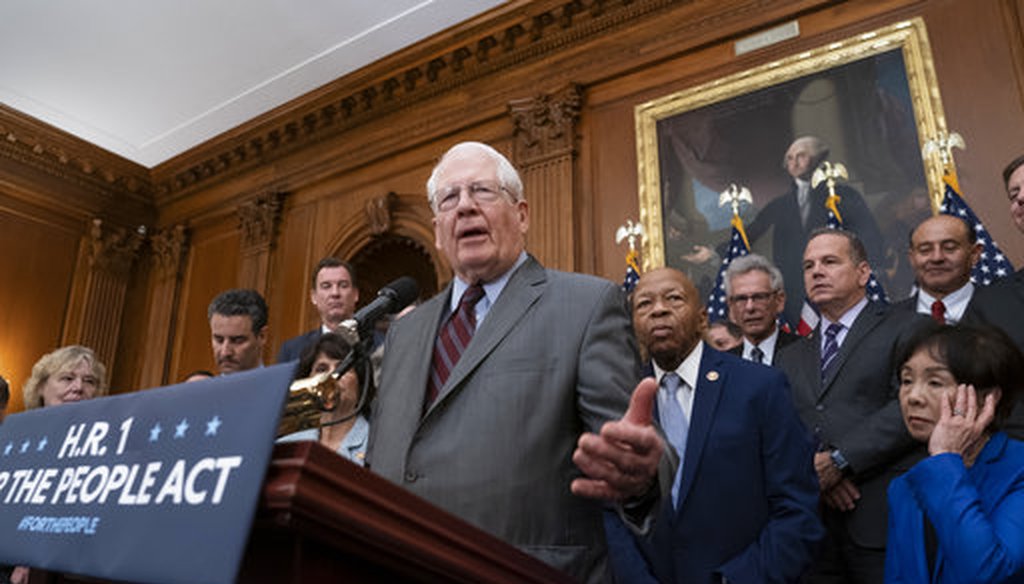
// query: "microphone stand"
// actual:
[[358, 355]]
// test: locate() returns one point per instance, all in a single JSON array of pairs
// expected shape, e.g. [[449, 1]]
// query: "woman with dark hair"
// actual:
[[958, 515], [343, 429]]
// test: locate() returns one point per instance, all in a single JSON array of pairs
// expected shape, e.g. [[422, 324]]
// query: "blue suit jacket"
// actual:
[[977, 512], [292, 348], [748, 496]]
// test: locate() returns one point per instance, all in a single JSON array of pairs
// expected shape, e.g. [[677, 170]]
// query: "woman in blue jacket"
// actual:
[[958, 515]]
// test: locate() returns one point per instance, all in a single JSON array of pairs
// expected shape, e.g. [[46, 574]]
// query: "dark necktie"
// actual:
[[831, 348], [674, 423], [757, 355], [939, 312], [452, 340]]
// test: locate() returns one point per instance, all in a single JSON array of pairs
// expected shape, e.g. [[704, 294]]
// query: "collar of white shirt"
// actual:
[[956, 302], [767, 346], [688, 371], [492, 290], [846, 320]]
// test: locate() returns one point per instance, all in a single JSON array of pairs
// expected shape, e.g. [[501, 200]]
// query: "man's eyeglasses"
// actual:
[[482, 192], [756, 298]]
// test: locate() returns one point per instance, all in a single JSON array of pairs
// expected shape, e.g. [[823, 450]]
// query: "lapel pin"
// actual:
[[712, 376]]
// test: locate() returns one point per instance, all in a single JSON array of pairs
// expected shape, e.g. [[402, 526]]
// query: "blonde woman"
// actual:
[[68, 374]]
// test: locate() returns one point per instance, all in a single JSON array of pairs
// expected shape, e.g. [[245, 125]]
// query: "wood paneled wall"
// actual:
[[552, 83]]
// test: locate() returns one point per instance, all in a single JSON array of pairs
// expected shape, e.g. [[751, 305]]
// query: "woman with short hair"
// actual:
[[958, 515], [68, 374]]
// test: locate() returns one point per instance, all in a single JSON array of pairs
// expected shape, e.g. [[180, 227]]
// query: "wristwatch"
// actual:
[[839, 460]]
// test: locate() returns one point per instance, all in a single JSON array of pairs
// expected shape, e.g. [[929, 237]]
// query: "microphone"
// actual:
[[390, 299]]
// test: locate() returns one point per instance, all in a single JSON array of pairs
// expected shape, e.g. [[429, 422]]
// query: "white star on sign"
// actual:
[[180, 429], [212, 425]]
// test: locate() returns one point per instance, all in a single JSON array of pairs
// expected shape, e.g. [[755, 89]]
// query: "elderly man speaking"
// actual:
[[489, 387]]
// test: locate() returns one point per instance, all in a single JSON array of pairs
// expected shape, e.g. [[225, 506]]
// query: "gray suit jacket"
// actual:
[[856, 408], [554, 357]]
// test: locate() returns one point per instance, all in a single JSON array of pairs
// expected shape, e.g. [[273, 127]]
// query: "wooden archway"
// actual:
[[395, 237]]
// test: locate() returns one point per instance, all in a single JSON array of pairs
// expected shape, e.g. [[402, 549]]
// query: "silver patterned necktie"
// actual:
[[674, 423], [757, 355]]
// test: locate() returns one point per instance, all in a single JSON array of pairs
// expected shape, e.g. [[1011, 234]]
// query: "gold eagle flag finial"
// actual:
[[942, 146], [829, 173], [734, 195], [631, 232]]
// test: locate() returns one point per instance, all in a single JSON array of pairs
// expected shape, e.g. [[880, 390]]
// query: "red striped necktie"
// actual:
[[452, 340], [939, 312]]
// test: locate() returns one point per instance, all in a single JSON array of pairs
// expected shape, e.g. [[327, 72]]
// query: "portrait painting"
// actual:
[[869, 101]]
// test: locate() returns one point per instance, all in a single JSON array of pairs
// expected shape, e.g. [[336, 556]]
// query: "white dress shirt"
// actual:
[[956, 302], [767, 347], [688, 371]]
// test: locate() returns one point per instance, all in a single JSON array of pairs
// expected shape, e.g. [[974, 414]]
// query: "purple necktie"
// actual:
[[452, 340], [831, 349]]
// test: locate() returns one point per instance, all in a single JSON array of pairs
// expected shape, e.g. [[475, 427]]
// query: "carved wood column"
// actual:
[[168, 247], [101, 281], [258, 220], [545, 152]]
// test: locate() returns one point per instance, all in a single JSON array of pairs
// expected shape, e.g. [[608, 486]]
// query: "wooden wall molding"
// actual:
[[410, 218], [168, 250], [102, 277], [377, 212], [544, 149], [545, 125], [114, 249], [258, 222], [169, 247]]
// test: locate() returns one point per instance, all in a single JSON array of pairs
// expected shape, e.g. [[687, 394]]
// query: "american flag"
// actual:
[[809, 315], [718, 308], [992, 264], [632, 271]]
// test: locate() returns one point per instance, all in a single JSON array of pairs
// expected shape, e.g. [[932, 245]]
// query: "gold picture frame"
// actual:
[[901, 49]]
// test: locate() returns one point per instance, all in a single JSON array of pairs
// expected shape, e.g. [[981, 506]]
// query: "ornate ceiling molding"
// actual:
[[35, 145], [520, 36]]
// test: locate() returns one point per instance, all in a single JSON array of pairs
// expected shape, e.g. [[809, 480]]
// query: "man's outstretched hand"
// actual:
[[621, 462]]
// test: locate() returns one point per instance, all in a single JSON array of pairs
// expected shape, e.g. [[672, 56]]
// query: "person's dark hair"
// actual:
[[972, 236], [332, 262], [5, 393], [199, 373], [334, 347], [857, 251], [1011, 168], [732, 328], [241, 302], [982, 356]]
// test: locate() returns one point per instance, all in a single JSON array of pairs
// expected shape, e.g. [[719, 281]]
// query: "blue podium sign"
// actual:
[[153, 486]]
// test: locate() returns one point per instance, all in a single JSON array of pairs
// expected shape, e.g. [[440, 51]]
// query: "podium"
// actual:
[[322, 518]]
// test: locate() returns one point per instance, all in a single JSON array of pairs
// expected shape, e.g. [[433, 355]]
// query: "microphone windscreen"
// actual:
[[405, 290]]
